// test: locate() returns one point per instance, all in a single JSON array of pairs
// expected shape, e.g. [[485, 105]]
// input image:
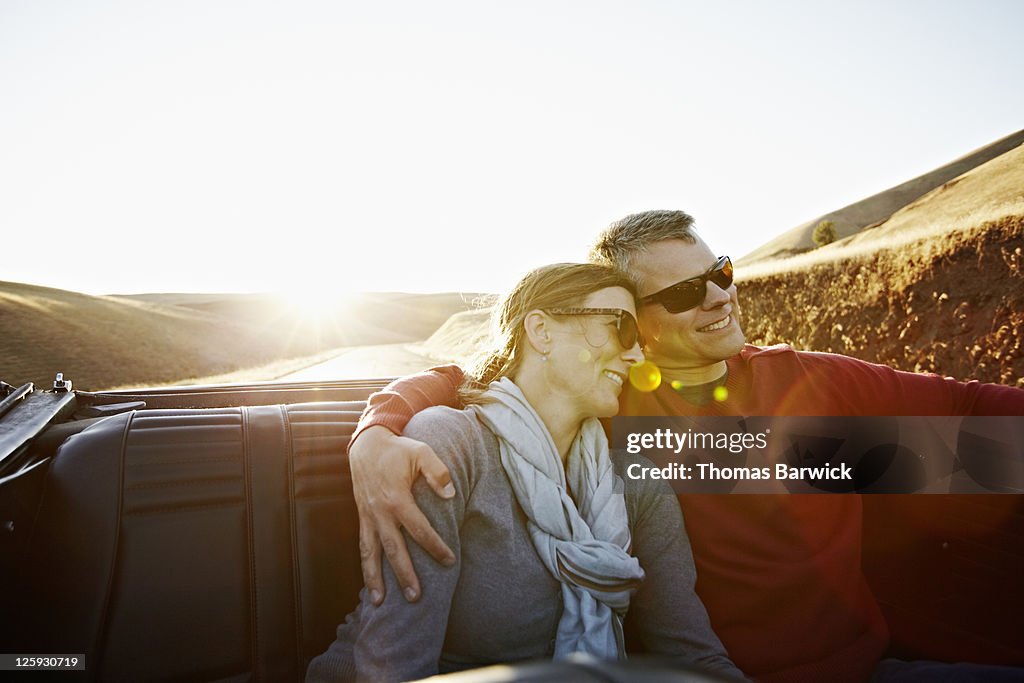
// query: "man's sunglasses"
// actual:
[[682, 296], [625, 323]]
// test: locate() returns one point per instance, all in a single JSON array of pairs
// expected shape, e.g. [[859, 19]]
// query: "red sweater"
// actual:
[[780, 575]]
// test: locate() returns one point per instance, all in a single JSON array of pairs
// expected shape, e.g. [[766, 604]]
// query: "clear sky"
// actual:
[[423, 146]]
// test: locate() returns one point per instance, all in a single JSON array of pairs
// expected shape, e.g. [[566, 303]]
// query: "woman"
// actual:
[[549, 553]]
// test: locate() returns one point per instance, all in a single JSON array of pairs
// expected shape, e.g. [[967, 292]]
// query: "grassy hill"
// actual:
[[989, 192], [105, 341], [461, 338], [869, 212]]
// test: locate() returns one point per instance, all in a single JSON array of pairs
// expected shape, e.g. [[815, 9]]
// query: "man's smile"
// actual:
[[721, 324]]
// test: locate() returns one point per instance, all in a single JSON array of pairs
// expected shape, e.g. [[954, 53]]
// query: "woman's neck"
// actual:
[[555, 411]]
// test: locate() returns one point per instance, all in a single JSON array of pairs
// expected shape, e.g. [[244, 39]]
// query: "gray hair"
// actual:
[[622, 240]]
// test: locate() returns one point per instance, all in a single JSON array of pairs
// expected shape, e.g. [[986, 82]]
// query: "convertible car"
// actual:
[[209, 533]]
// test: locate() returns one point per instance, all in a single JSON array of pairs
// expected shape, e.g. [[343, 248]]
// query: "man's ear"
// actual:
[[538, 332]]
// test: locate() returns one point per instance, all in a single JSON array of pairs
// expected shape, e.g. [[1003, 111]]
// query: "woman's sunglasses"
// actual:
[[625, 323], [682, 296]]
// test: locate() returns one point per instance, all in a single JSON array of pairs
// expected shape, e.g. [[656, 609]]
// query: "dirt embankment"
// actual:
[[952, 304]]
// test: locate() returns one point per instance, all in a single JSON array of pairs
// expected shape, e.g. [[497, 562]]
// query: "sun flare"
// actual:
[[314, 303]]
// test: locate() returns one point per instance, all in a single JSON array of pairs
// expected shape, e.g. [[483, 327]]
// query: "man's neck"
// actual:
[[692, 376]]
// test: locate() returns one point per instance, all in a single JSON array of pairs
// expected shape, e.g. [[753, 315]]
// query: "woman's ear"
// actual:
[[538, 332]]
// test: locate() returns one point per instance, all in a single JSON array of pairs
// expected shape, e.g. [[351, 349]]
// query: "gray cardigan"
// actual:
[[498, 603]]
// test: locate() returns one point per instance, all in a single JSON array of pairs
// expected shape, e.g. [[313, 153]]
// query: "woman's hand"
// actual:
[[384, 467]]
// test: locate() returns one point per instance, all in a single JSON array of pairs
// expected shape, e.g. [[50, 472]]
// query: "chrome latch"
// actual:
[[60, 384]]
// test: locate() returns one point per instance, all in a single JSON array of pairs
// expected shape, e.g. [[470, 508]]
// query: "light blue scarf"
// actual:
[[583, 544]]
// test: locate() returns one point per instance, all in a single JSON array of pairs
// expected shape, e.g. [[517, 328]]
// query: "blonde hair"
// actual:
[[559, 285]]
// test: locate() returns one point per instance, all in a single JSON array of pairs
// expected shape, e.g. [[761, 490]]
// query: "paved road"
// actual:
[[366, 362]]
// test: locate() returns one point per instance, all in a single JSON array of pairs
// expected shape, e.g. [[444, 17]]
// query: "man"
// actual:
[[779, 574]]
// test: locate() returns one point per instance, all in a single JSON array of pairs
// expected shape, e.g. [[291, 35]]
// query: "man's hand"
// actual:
[[384, 467]]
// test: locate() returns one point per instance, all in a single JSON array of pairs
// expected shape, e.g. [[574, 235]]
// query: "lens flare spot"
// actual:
[[585, 356], [721, 393], [677, 385], [645, 376]]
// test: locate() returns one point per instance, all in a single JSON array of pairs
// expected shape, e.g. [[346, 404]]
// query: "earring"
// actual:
[[544, 356]]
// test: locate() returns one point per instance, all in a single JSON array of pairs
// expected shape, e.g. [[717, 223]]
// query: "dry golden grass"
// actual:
[[461, 338], [987, 193], [862, 215], [105, 342]]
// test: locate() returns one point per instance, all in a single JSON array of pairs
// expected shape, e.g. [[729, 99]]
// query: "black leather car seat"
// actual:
[[210, 544]]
